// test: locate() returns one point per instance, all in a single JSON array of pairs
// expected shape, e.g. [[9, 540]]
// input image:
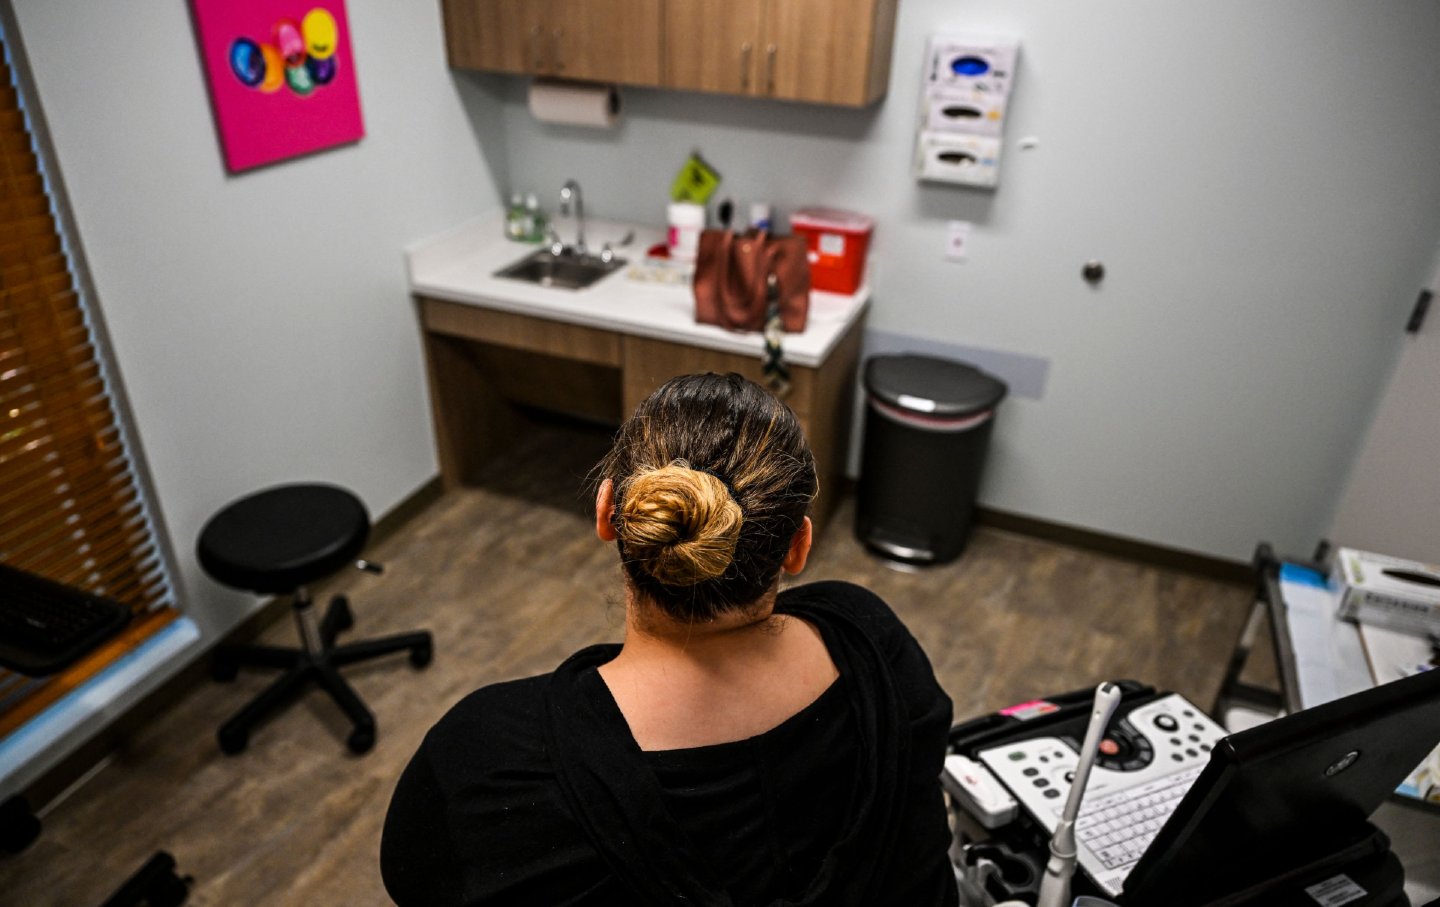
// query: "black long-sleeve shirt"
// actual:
[[533, 792]]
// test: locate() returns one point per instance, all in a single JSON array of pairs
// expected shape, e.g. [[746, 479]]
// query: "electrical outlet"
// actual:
[[957, 240]]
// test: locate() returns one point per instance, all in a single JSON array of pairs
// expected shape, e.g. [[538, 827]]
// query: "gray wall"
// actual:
[[261, 322], [1258, 177]]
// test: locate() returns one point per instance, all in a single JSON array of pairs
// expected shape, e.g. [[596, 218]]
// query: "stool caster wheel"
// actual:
[[361, 740], [341, 614], [223, 668], [422, 655], [233, 740], [18, 826]]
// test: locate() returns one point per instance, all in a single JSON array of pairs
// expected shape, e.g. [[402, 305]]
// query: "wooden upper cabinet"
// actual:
[[822, 51], [712, 45], [827, 51], [594, 40], [490, 34], [606, 40]]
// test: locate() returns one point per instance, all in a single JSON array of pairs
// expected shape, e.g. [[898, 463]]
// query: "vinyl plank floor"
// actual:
[[510, 578]]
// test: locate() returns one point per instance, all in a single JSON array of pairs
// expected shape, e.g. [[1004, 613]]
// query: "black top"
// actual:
[[534, 792]]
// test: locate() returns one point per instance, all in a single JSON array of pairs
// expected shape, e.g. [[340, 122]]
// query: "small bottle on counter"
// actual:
[[515, 227], [760, 216], [535, 221]]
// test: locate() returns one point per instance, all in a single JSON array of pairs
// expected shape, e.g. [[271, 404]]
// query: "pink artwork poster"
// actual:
[[282, 77]]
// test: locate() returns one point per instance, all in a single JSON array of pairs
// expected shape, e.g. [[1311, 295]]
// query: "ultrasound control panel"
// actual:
[[1147, 760], [1152, 741]]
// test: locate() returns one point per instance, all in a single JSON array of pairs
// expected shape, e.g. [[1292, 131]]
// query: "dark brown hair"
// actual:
[[712, 478]]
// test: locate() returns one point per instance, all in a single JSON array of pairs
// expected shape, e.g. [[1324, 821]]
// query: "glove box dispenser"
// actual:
[[955, 157], [962, 110], [983, 66]]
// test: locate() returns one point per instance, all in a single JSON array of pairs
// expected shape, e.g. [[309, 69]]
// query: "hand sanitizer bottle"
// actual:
[[514, 226], [534, 219]]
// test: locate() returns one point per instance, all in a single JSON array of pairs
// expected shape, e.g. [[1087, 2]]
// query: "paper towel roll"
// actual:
[[575, 103]]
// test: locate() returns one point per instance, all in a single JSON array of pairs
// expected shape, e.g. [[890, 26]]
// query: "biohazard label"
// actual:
[[1335, 891]]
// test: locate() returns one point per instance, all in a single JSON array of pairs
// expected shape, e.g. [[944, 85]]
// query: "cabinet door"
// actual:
[[827, 51], [605, 40], [713, 45], [498, 35]]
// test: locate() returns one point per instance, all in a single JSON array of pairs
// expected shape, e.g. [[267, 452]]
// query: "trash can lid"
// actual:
[[928, 384]]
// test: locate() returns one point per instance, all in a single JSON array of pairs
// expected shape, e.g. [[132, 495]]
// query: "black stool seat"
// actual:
[[277, 540]]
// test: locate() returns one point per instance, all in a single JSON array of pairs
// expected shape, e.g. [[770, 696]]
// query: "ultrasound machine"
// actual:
[[1174, 811]]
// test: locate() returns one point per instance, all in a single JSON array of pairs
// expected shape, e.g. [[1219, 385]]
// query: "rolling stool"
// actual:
[[277, 542]]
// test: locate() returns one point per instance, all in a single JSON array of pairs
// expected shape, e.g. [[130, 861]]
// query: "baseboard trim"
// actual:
[[1238, 573], [73, 770]]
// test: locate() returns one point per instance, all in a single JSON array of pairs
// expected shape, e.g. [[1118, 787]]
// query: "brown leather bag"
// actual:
[[730, 273]]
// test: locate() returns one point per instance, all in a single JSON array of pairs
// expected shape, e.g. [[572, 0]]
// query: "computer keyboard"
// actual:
[[45, 626], [1119, 827]]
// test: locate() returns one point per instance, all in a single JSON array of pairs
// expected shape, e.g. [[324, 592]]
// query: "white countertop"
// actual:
[[459, 266]]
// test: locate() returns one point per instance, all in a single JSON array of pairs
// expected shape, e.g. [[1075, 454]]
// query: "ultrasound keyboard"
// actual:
[[1148, 760], [45, 626]]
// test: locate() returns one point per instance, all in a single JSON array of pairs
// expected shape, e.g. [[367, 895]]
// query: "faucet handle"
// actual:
[[607, 254]]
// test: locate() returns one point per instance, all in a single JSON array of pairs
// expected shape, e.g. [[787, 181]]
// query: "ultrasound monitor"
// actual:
[[1289, 793]]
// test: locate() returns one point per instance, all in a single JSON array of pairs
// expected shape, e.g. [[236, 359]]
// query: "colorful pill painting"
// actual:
[[281, 75], [301, 56]]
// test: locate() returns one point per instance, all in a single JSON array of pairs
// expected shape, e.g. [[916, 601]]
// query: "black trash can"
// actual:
[[927, 428]]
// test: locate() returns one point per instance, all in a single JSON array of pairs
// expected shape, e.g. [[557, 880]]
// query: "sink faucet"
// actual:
[[571, 190]]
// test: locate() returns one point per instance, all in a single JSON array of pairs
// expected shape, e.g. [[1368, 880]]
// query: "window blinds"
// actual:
[[72, 509]]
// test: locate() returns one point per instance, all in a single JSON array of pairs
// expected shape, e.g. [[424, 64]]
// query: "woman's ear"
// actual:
[[605, 511], [799, 551]]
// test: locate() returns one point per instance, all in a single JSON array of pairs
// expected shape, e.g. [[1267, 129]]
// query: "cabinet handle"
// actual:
[[745, 66], [559, 63], [536, 50], [770, 69]]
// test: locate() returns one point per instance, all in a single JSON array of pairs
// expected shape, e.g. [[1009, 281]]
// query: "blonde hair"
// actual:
[[681, 524], [711, 479]]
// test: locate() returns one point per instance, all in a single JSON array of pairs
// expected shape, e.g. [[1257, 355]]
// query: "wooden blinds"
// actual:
[[70, 503]]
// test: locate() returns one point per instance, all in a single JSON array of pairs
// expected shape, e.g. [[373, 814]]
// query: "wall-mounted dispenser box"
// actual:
[[962, 109], [953, 157], [984, 65]]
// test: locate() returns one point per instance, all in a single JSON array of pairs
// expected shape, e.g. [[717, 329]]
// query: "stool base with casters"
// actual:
[[316, 663], [278, 542]]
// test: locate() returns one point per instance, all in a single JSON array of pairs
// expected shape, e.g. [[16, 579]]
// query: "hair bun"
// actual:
[[680, 524]]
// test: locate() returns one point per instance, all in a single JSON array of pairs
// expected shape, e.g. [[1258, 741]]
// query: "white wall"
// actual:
[[1392, 502], [1258, 178], [261, 322]]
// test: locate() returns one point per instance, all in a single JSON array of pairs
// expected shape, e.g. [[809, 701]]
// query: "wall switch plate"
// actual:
[[957, 240]]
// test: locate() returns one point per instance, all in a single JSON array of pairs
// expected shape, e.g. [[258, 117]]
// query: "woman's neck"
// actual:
[[692, 684], [650, 633]]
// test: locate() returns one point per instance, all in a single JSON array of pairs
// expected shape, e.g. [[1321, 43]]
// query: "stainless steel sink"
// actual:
[[567, 271]]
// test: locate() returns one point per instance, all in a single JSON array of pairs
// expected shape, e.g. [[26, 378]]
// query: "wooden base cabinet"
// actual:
[[482, 361]]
